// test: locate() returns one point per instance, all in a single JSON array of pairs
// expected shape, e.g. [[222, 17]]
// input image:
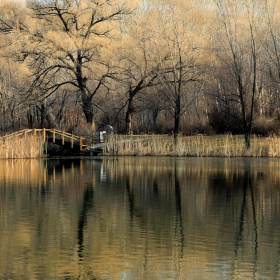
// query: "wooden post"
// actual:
[[44, 135], [53, 136], [62, 137], [72, 141], [25, 133], [81, 143]]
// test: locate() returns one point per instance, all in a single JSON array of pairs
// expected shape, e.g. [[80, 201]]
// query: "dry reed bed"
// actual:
[[20, 147], [195, 146]]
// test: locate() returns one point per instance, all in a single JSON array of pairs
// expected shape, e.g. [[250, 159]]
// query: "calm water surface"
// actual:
[[140, 218]]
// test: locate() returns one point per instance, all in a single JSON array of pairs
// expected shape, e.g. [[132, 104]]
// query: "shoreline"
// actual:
[[223, 146]]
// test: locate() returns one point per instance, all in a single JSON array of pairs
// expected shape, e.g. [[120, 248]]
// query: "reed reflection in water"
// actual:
[[140, 218]]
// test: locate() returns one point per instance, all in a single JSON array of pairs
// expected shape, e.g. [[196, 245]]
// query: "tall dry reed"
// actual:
[[20, 147], [193, 146]]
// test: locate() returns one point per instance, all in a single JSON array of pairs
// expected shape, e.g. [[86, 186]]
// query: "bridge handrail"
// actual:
[[17, 133], [44, 131]]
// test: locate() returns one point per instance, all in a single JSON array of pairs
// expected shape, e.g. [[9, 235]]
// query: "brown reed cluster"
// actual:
[[187, 146], [31, 146], [194, 146]]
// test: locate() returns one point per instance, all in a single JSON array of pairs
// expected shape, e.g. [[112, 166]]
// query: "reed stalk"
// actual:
[[20, 147], [193, 146], [188, 146]]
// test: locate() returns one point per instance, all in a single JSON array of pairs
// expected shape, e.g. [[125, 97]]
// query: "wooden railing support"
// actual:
[[72, 141], [64, 135], [81, 143], [53, 137], [44, 135]]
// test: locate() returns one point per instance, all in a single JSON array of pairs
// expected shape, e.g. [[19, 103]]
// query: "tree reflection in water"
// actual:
[[179, 229], [140, 218], [248, 187], [86, 207]]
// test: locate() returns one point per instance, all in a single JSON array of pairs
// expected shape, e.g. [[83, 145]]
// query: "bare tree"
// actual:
[[63, 43], [137, 64], [238, 52], [272, 62], [179, 71], [12, 83]]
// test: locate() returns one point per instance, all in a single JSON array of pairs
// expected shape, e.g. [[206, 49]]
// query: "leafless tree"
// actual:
[[63, 43], [238, 54]]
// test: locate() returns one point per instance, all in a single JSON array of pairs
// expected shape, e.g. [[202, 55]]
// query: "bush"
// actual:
[[223, 122], [198, 128], [84, 130], [264, 126]]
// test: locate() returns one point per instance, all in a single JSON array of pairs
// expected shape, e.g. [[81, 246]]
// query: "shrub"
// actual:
[[224, 122], [263, 126]]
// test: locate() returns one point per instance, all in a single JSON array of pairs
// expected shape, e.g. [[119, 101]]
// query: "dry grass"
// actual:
[[194, 146], [189, 146], [20, 147]]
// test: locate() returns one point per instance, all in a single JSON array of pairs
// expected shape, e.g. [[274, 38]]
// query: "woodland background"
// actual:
[[201, 66]]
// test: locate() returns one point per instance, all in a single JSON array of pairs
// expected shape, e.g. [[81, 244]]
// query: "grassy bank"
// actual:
[[194, 146], [188, 146], [19, 147]]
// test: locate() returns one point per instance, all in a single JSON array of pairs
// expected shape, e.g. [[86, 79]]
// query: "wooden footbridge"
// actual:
[[51, 135], [66, 139]]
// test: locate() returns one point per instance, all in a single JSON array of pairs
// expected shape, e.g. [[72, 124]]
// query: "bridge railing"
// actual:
[[64, 136]]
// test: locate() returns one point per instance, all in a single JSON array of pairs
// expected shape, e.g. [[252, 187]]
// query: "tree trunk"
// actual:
[[129, 114], [41, 110], [246, 128], [177, 118], [86, 99], [155, 115], [50, 116], [247, 140], [128, 117], [30, 119], [87, 108], [176, 128], [12, 118]]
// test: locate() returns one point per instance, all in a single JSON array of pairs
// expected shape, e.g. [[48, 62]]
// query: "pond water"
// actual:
[[140, 218]]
